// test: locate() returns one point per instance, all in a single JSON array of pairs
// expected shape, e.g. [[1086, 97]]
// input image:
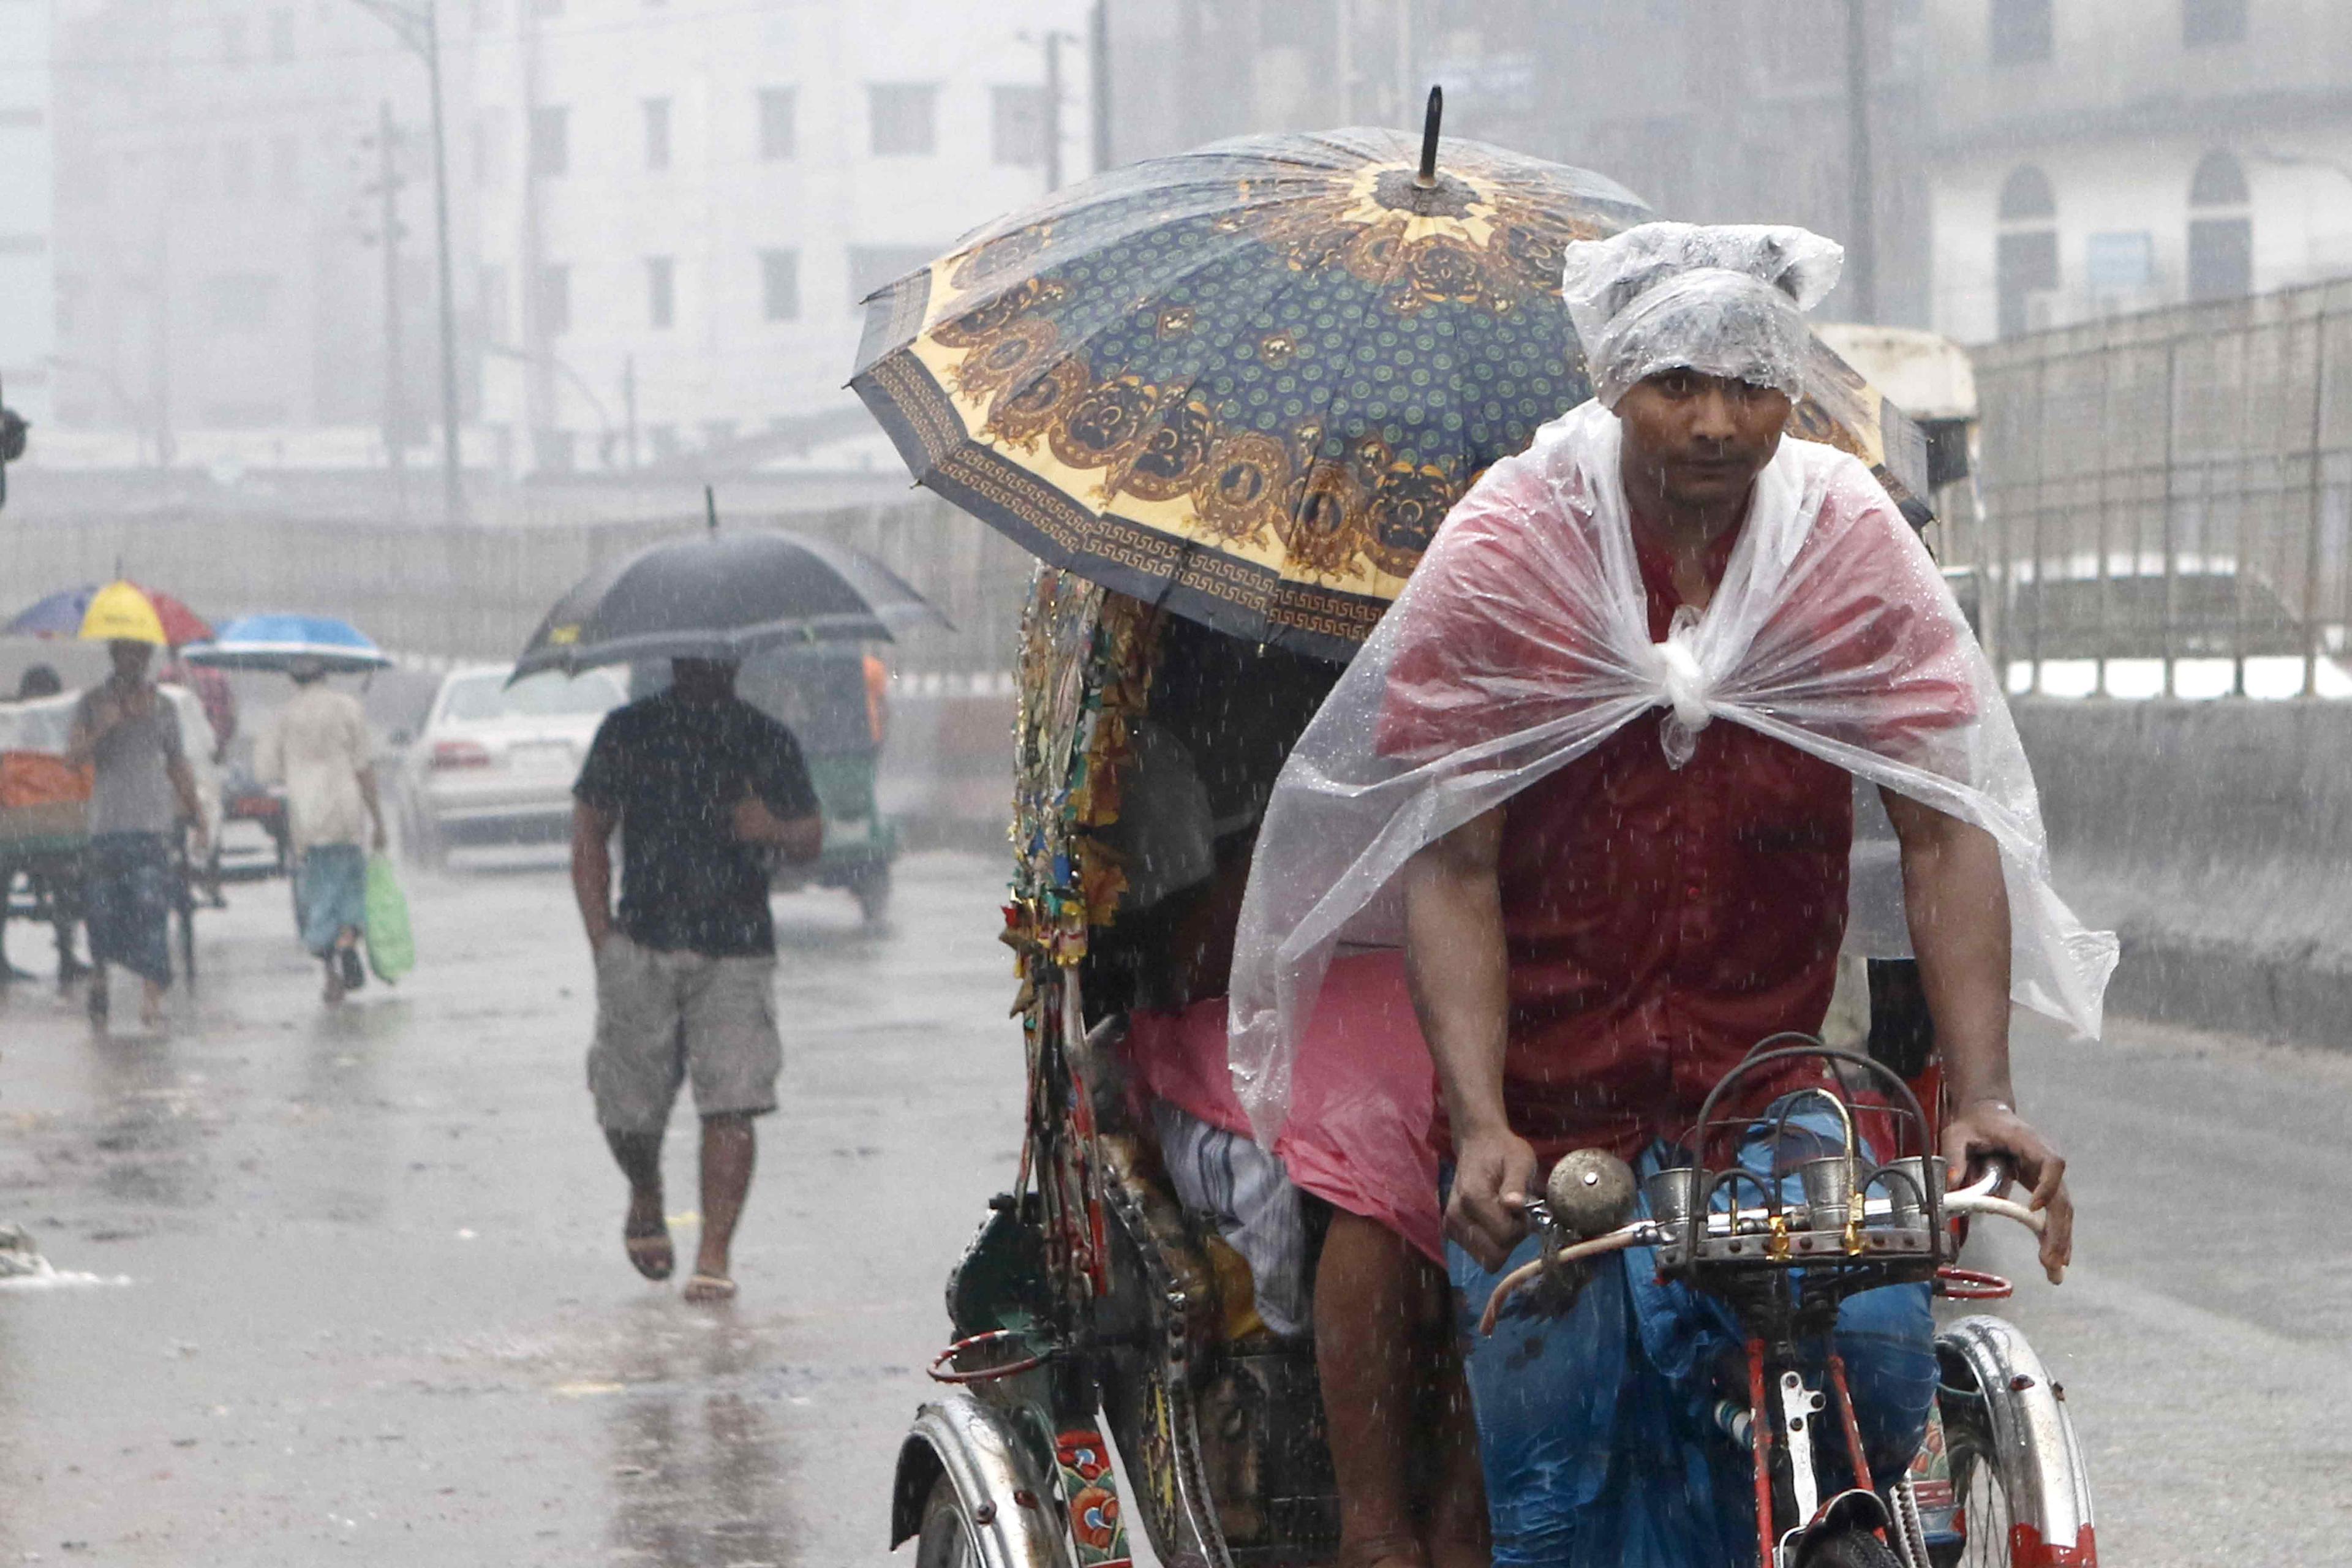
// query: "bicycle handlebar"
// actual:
[[1979, 1198]]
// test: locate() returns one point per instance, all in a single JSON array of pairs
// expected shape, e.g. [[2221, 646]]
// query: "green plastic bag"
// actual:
[[391, 952]]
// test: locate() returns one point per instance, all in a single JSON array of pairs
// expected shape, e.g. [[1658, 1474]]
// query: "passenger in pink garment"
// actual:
[[1403, 1444]]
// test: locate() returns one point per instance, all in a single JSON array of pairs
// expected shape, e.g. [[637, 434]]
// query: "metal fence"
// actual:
[[477, 591], [2165, 500]]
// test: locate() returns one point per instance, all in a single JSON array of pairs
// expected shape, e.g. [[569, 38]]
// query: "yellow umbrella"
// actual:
[[120, 612]]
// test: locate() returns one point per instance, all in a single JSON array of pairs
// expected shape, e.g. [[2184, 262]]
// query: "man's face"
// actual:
[[1702, 439], [129, 659]]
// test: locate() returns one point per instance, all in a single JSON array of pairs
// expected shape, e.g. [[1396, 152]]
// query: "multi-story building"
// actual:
[[1712, 111], [220, 267], [27, 243], [2104, 156], [682, 202]]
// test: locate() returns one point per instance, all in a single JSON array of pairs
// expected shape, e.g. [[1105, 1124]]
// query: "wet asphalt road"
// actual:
[[360, 1295]]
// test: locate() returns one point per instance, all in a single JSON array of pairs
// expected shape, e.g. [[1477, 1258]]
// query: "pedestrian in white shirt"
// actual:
[[319, 750]]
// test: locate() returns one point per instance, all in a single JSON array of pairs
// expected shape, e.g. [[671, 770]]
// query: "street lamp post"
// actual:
[[419, 28]]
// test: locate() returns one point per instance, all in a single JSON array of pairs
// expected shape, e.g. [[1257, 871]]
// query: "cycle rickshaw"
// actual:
[[1091, 1304], [1239, 388]]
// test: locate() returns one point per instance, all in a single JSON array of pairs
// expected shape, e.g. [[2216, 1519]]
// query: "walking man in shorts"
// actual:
[[704, 789]]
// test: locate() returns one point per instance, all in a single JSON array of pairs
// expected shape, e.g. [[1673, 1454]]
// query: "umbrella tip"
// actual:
[[710, 509], [1428, 175]]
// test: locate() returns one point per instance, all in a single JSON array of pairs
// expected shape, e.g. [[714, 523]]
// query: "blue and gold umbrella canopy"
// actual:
[[1248, 382]]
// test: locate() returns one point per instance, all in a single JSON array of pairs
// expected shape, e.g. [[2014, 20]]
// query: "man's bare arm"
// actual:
[[591, 870], [801, 838], [1957, 907], [1458, 966], [374, 803], [183, 785]]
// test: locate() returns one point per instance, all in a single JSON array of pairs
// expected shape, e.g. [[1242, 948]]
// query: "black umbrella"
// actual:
[[724, 596]]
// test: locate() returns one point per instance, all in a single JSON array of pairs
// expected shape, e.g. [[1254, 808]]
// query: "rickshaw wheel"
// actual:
[[945, 1538], [1979, 1487], [1852, 1549]]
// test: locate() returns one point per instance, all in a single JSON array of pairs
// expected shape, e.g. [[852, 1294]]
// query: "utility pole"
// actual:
[[419, 27], [1054, 109], [629, 404], [1099, 87], [388, 234], [1862, 243]]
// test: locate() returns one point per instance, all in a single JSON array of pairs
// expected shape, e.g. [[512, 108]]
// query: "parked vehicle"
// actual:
[[495, 763]]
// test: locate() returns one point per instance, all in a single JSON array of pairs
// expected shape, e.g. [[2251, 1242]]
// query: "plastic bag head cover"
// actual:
[[1723, 300]]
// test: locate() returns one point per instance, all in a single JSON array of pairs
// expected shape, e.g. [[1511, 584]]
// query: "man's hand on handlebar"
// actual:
[[1989, 1128], [1494, 1172]]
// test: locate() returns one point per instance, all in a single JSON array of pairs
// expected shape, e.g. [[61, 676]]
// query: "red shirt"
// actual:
[[1661, 920]]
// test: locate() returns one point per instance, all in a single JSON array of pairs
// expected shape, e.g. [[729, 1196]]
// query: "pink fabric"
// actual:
[[1361, 1134]]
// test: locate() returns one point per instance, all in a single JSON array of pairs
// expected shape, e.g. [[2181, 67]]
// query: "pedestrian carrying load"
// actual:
[[1724, 299], [1523, 642]]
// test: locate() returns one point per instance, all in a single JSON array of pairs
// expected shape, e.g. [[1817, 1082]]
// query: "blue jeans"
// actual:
[[1595, 1426]]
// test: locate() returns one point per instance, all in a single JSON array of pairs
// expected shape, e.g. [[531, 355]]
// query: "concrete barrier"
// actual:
[[2216, 837]]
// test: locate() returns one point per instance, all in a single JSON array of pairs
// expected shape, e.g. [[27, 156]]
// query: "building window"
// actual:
[[872, 267], [281, 36], [232, 40], [779, 284], [551, 142], [552, 451], [661, 292], [1017, 125], [2206, 22], [240, 302], [2025, 250], [237, 171], [656, 133], [2221, 230], [554, 302], [286, 168], [2021, 31], [904, 118], [776, 123], [547, 8]]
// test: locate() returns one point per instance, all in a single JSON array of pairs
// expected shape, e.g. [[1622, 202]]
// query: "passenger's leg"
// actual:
[[1367, 1311], [1452, 1493]]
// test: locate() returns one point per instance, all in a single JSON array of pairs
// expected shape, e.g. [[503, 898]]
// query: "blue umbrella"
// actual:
[[273, 641]]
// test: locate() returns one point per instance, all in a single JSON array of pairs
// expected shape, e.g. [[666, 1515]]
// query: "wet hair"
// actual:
[[38, 680]]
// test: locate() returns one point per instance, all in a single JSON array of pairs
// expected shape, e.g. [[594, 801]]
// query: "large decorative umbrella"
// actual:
[[274, 641], [61, 614], [724, 596], [1250, 381]]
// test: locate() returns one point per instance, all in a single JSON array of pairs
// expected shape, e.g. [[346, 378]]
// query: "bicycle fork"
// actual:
[[1799, 1408]]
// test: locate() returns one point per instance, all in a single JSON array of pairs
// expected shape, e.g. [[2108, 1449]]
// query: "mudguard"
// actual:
[[1015, 1518], [2050, 1501]]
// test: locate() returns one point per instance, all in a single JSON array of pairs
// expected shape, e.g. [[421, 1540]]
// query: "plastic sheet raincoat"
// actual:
[[1522, 642]]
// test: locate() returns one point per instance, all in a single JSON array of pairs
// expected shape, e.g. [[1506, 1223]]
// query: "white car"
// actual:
[[495, 763]]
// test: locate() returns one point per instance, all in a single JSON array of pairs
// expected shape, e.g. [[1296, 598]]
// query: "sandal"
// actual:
[[709, 1289], [651, 1254]]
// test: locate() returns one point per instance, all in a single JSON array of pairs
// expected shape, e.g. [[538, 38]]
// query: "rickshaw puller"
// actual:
[[1605, 745]]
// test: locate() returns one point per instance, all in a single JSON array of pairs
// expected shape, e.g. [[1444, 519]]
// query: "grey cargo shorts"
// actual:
[[662, 1017]]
